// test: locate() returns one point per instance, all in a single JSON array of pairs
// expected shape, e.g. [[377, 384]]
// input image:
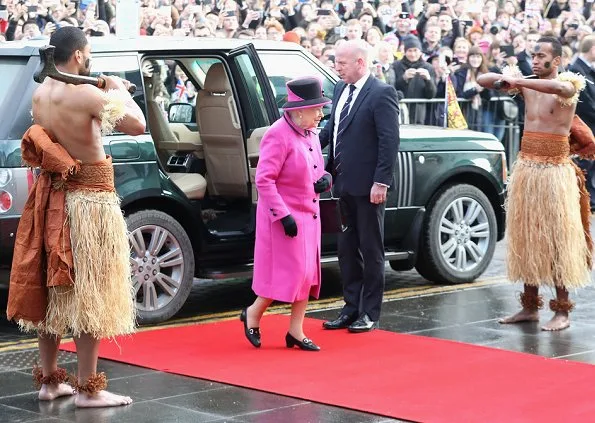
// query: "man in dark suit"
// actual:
[[525, 58], [584, 109], [363, 134]]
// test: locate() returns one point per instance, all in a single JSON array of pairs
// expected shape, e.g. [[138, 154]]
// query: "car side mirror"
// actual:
[[180, 113]]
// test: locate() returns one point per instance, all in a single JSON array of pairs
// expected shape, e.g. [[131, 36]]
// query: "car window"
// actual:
[[281, 68], [256, 116], [125, 67], [10, 69]]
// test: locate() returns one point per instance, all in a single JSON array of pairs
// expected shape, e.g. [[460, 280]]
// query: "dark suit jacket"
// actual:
[[370, 141], [584, 108], [525, 63]]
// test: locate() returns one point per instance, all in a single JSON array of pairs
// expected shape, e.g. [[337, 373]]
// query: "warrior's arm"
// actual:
[[563, 89], [487, 80]]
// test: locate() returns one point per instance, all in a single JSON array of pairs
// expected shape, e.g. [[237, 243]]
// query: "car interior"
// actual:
[[194, 120]]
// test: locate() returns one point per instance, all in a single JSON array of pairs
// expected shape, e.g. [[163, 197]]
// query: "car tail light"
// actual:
[[29, 179], [504, 169], [5, 201]]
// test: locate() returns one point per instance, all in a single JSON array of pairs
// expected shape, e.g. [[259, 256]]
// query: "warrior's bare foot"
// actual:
[[559, 321], [521, 316], [101, 399], [50, 392]]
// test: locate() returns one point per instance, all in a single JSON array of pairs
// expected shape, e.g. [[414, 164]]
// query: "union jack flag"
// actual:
[[180, 93]]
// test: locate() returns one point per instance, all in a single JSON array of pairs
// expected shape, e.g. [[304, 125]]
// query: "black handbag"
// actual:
[[331, 221]]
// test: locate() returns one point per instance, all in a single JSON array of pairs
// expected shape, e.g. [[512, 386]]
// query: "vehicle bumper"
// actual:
[[501, 215]]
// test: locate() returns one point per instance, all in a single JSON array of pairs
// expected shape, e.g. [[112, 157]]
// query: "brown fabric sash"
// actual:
[[544, 147], [42, 253]]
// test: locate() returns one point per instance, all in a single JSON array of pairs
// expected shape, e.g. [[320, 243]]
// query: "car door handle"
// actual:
[[124, 149]]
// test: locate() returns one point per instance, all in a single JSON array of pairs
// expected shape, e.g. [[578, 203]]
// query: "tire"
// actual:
[[468, 248], [161, 290]]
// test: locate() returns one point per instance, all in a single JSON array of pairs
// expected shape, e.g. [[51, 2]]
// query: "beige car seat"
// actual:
[[193, 185], [221, 135]]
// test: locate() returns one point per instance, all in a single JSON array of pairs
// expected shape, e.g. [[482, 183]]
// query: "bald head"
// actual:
[[351, 60], [355, 48]]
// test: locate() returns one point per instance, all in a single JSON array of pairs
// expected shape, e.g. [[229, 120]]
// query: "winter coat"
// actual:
[[288, 269], [473, 116], [416, 87]]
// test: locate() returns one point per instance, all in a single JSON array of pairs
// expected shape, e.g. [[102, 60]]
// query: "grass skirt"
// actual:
[[101, 301], [548, 243]]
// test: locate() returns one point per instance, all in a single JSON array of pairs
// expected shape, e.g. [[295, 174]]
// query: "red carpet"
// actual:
[[401, 376]]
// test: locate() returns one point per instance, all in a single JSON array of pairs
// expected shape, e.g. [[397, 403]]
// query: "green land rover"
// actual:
[[187, 184]]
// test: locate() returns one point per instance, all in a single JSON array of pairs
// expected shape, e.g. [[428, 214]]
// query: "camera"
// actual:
[[495, 29]]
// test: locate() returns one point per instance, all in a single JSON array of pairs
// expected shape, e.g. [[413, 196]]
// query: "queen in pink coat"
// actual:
[[289, 177]]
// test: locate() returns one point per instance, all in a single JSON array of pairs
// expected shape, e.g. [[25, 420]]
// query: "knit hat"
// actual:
[[411, 42], [292, 37]]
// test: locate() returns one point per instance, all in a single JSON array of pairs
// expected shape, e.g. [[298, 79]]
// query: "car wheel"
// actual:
[[459, 236], [162, 262]]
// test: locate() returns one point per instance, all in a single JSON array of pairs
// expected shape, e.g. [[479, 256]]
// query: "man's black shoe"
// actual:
[[363, 324], [341, 322]]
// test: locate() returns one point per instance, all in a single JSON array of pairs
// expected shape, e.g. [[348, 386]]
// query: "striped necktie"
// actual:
[[341, 127]]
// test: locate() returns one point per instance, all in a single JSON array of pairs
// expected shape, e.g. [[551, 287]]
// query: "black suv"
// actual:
[[187, 184]]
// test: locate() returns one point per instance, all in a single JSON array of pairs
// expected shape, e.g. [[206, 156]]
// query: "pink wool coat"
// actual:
[[288, 269]]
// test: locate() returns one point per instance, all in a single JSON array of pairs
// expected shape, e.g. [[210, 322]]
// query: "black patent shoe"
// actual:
[[341, 322], [253, 334], [363, 324], [305, 344]]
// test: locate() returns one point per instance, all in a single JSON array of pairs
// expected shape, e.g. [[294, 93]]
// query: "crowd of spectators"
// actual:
[[415, 44]]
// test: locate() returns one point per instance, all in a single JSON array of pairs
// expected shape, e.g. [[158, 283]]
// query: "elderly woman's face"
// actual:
[[308, 118]]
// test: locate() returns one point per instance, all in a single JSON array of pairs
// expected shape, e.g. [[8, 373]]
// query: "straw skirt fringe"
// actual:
[[101, 301], [546, 242]]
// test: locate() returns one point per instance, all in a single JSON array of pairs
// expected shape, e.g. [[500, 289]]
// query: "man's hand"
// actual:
[[506, 83], [49, 29], [115, 83], [409, 73], [424, 74], [378, 194], [148, 69], [432, 10]]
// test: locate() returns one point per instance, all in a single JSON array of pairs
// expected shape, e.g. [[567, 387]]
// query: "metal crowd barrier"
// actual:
[[500, 116]]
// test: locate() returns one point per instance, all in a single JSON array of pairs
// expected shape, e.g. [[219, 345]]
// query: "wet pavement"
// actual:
[[466, 313]]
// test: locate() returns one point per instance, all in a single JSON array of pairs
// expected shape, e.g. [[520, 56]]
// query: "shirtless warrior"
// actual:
[[85, 285], [547, 224]]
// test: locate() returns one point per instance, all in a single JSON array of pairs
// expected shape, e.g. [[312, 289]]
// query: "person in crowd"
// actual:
[[382, 63], [583, 65], [415, 79], [290, 177], [461, 48], [525, 57], [467, 87]]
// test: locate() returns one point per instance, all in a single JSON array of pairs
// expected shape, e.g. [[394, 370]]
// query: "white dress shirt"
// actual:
[[343, 99]]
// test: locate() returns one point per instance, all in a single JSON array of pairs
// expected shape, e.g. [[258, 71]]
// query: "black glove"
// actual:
[[289, 225], [322, 184]]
